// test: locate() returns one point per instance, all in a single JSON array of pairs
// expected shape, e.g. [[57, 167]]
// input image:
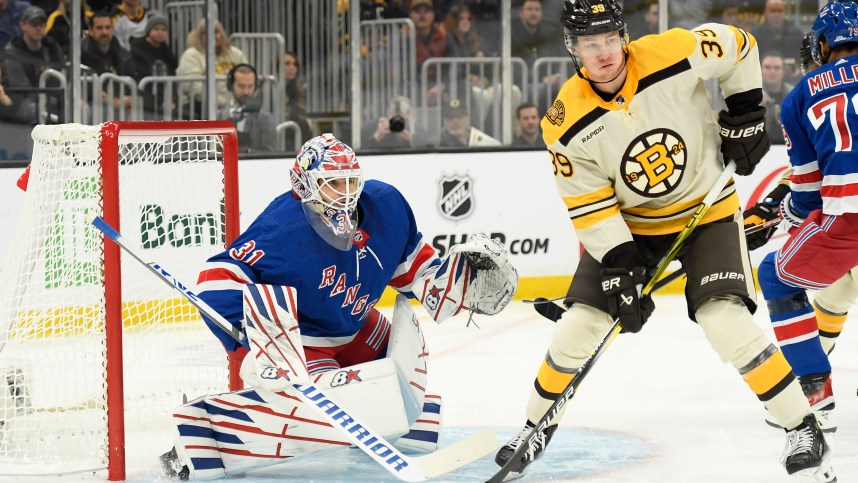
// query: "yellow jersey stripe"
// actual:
[[590, 219], [719, 210]]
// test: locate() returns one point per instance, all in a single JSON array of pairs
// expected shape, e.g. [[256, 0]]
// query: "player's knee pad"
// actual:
[[577, 333], [730, 329]]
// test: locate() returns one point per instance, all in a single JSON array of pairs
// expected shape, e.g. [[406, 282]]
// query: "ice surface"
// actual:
[[659, 406]]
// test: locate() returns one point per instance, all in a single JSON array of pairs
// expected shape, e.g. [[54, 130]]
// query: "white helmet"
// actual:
[[327, 178]]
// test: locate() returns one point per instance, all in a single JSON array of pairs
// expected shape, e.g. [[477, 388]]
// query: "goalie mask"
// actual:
[[327, 178], [591, 17], [837, 23]]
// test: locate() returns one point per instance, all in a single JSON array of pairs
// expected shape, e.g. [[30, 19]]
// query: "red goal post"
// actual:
[[93, 349]]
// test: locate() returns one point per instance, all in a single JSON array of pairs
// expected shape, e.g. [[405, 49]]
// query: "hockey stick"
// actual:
[[406, 468], [615, 329], [553, 311]]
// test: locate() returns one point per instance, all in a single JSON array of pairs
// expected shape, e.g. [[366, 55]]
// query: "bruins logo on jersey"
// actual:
[[654, 163], [556, 113]]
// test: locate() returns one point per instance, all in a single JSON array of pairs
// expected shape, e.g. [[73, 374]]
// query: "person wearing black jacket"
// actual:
[[27, 56], [152, 56], [101, 52]]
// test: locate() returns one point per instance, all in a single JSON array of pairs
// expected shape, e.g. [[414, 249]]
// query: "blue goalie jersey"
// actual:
[[335, 289]]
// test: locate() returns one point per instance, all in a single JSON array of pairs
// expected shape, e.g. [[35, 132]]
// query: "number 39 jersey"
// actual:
[[641, 162], [820, 122]]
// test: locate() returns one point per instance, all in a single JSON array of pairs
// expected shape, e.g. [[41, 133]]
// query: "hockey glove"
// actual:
[[623, 288], [744, 138], [766, 210], [790, 215]]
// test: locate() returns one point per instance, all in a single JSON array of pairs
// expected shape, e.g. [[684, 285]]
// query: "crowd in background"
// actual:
[[128, 39]]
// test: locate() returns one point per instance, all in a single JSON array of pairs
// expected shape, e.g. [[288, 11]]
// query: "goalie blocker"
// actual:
[[232, 433]]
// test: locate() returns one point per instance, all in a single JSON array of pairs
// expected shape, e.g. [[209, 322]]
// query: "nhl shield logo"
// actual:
[[456, 196]]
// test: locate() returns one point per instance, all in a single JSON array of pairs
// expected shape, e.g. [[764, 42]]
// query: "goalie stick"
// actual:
[[406, 468], [615, 329], [553, 311]]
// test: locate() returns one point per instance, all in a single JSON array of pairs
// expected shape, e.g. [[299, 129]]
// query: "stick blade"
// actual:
[[459, 454]]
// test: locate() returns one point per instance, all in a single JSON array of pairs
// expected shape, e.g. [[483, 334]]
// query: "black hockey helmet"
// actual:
[[804, 52], [591, 17]]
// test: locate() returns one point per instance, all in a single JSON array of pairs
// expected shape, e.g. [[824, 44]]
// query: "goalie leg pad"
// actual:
[[232, 433], [407, 349], [424, 435], [276, 359]]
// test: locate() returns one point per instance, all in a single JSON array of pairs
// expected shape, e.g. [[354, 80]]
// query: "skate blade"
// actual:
[[823, 473], [514, 475]]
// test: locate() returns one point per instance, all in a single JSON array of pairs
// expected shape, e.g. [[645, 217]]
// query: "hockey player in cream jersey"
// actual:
[[635, 148]]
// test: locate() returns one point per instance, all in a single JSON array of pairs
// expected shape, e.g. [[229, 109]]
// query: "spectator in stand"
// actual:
[[10, 19], [397, 129], [254, 125], [527, 120], [486, 15], [295, 97], [688, 14], [27, 56], [153, 56], [7, 111], [463, 33], [775, 88], [58, 26], [101, 52], [778, 33], [458, 131], [129, 22], [645, 22], [193, 62], [727, 14], [432, 41], [533, 38]]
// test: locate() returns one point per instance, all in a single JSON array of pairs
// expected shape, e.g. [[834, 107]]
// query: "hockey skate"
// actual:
[[532, 454], [817, 388], [807, 456], [173, 467]]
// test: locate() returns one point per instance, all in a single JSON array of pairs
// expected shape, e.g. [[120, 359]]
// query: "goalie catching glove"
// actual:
[[623, 289], [476, 275], [495, 280], [744, 138]]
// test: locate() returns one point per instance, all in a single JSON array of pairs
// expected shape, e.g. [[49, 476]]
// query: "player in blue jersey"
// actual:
[[830, 305], [301, 284], [820, 207]]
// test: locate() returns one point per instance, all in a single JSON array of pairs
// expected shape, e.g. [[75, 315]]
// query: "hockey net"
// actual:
[[73, 388]]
